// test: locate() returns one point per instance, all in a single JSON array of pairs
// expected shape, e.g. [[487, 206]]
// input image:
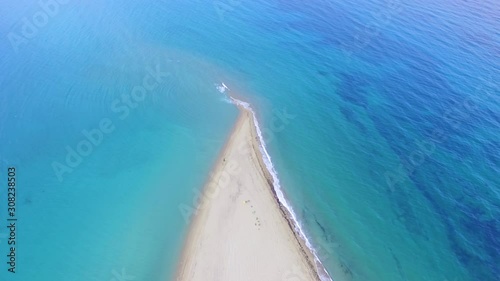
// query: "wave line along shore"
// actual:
[[244, 229]]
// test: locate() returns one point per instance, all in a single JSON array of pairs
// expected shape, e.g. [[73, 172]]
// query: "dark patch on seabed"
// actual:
[[411, 104], [412, 108], [351, 89], [405, 213], [398, 265], [351, 116]]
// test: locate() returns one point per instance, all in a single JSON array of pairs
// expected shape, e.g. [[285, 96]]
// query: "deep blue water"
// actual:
[[389, 150]]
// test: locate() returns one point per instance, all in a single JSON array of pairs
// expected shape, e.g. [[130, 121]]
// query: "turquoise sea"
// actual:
[[381, 117]]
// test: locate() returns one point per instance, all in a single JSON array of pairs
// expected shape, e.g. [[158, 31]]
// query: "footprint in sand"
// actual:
[[257, 223]]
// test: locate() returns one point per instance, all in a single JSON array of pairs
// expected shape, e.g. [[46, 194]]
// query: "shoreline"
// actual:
[[279, 249], [284, 206]]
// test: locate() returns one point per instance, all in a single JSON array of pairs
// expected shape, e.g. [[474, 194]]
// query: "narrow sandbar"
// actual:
[[240, 231]]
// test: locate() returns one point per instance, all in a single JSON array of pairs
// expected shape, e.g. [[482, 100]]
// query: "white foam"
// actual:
[[276, 185], [221, 89]]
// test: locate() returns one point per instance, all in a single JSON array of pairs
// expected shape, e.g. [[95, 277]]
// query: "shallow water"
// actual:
[[381, 118]]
